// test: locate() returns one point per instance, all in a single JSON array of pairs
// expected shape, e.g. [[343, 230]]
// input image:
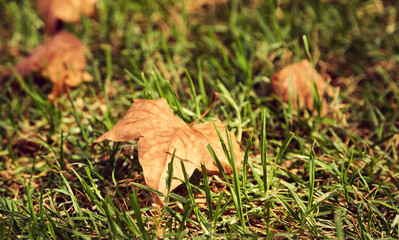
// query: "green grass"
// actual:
[[303, 176]]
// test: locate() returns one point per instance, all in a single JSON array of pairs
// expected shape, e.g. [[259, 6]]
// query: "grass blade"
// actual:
[[312, 173], [278, 158], [208, 195], [245, 165], [201, 84], [263, 151], [193, 93], [200, 217], [135, 204], [110, 219], [170, 176], [236, 186], [338, 226]]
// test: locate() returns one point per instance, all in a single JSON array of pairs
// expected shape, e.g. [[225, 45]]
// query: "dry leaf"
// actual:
[[200, 6], [61, 59], [55, 12], [160, 133], [296, 81]]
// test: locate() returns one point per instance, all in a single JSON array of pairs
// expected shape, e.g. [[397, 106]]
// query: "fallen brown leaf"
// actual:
[[160, 133], [55, 12], [200, 6], [296, 81], [61, 59]]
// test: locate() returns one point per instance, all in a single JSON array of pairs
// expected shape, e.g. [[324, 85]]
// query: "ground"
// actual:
[[308, 177]]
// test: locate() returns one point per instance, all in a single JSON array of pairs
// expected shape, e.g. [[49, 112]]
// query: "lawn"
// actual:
[[303, 175]]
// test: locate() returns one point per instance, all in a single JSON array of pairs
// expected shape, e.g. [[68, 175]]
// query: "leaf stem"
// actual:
[[215, 95]]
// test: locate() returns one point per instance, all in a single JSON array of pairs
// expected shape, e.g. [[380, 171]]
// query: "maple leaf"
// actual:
[[296, 81], [55, 12], [161, 134], [61, 59]]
